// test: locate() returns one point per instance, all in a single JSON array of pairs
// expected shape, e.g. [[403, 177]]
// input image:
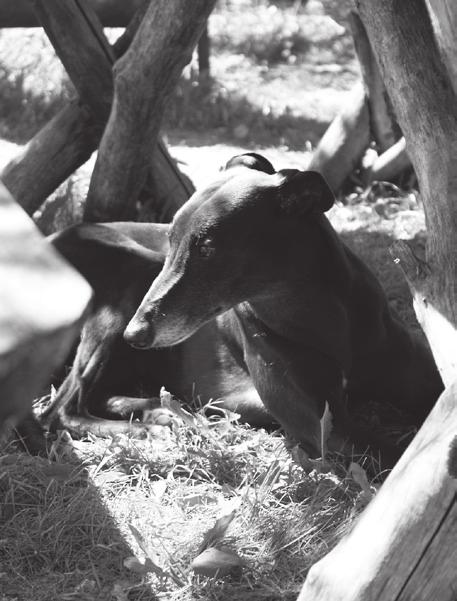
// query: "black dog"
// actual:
[[307, 318], [109, 379]]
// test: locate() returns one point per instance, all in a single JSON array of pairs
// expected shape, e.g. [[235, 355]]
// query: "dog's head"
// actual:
[[230, 242]]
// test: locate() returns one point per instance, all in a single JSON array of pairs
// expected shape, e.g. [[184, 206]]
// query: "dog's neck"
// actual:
[[310, 307]]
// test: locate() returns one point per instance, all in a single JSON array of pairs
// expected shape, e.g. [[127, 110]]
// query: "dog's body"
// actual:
[[302, 312], [109, 379]]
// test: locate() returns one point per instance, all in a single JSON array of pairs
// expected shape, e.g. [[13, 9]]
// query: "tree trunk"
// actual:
[[78, 39], [112, 13], [42, 302], [403, 546], [144, 78], [69, 139], [203, 54], [444, 15], [381, 123], [346, 139]]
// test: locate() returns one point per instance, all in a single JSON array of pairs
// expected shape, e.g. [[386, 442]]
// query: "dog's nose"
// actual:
[[138, 335]]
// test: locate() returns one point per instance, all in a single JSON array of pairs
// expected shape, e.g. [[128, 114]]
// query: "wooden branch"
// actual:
[[381, 123], [204, 53], [444, 13], [144, 78], [42, 302], [346, 139], [77, 36], [389, 164], [58, 149], [403, 545], [64, 143], [418, 82], [112, 13], [69, 139]]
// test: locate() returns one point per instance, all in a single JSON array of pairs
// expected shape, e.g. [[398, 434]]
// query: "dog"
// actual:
[[306, 317], [109, 380]]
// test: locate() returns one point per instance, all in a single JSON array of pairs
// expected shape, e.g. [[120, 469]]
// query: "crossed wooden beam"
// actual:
[[69, 139]]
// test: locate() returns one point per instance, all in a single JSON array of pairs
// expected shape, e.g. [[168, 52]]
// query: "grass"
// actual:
[[125, 518]]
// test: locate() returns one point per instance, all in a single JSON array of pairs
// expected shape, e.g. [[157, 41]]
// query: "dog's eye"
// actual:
[[206, 248]]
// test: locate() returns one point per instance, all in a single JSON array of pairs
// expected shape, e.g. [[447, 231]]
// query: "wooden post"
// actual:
[[42, 303], [69, 139], [403, 546], [381, 124], [203, 54], [144, 78], [345, 141]]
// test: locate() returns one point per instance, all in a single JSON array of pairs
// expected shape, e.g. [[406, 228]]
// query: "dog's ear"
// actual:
[[304, 191], [251, 160]]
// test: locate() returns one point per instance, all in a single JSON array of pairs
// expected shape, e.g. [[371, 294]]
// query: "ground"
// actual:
[[124, 519]]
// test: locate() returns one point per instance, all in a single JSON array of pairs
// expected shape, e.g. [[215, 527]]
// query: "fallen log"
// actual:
[[389, 164], [345, 141]]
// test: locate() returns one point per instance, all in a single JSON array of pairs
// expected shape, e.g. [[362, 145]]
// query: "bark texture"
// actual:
[[144, 78]]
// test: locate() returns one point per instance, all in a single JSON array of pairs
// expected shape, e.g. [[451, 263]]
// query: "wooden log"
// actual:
[[203, 54], [112, 13], [403, 545], [381, 123], [346, 139], [69, 139], [144, 78], [78, 39], [389, 164], [419, 84], [42, 303], [64, 143], [444, 18]]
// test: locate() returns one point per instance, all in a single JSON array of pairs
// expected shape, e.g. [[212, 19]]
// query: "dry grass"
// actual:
[[123, 519]]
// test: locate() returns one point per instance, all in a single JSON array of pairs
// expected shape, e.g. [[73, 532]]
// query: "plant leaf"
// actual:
[[359, 476], [216, 562], [168, 402], [217, 532], [326, 429]]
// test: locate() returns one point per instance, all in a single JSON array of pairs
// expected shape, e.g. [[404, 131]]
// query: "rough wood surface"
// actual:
[[112, 13], [144, 78], [444, 18], [402, 37], [403, 546], [381, 123], [42, 302], [60, 147], [345, 141], [69, 139], [390, 163], [77, 36]]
